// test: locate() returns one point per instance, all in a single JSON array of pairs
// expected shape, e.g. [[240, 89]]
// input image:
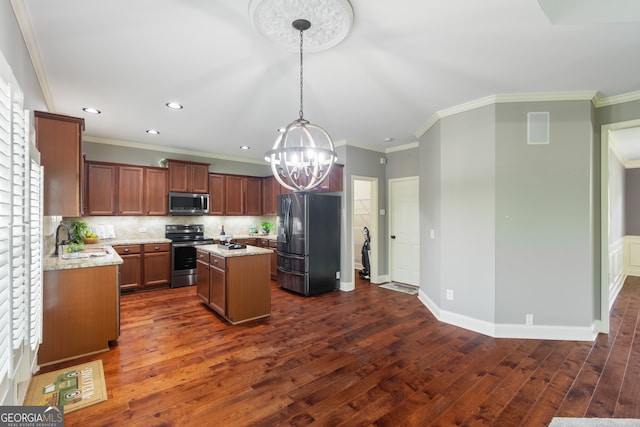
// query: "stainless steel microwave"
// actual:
[[188, 204]]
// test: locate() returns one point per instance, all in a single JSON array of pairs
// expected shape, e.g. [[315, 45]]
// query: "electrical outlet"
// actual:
[[337, 275], [450, 294], [529, 319]]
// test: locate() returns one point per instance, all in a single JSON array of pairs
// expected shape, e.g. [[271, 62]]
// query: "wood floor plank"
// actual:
[[367, 357]]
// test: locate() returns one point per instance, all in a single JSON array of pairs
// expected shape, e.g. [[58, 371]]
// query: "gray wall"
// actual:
[[403, 164], [543, 216], [136, 156], [430, 213], [366, 163], [16, 54], [467, 233], [631, 202]]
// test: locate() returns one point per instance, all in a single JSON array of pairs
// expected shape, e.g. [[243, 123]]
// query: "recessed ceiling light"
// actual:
[[153, 132], [174, 105], [91, 110], [245, 147], [388, 139]]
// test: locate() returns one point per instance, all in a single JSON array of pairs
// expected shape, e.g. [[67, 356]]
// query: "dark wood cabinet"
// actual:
[[234, 200], [102, 181], [117, 189], [243, 195], [144, 266], [216, 194], [238, 287], [130, 190], [156, 189], [253, 196], [202, 275], [157, 265], [131, 267], [217, 285], [272, 244], [270, 191], [59, 141], [188, 177]]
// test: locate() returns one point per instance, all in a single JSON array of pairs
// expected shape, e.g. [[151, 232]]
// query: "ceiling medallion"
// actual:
[[332, 20]]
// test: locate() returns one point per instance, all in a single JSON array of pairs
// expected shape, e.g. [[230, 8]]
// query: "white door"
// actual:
[[404, 231]]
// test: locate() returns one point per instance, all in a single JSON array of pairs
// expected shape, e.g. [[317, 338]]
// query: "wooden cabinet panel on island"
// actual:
[[81, 312], [235, 287], [188, 177], [59, 141]]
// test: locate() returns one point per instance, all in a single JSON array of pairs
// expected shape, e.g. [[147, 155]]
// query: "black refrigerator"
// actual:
[[308, 242]]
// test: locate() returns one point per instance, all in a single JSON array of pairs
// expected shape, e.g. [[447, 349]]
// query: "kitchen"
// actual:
[[157, 217]]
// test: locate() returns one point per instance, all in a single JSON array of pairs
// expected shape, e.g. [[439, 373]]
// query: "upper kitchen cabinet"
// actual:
[[188, 177], [114, 189], [59, 140], [243, 195], [156, 189], [270, 191], [216, 194]]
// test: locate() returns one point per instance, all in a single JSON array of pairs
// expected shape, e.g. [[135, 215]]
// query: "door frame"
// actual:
[[374, 229], [390, 216], [606, 299]]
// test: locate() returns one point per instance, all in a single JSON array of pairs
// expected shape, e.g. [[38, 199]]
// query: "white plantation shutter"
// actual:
[[36, 177], [20, 243], [5, 220], [18, 226]]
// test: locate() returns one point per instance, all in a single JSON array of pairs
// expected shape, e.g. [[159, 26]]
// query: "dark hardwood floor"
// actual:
[[368, 357]]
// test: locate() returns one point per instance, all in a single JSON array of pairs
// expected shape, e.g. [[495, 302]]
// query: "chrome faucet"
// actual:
[[64, 242]]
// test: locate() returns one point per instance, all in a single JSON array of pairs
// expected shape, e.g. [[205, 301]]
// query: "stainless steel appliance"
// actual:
[[308, 246], [188, 204], [185, 238]]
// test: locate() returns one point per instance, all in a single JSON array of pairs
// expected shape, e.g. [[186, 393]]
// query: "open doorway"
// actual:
[[612, 247], [365, 208]]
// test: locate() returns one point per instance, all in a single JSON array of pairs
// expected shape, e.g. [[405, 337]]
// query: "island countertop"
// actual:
[[228, 253]]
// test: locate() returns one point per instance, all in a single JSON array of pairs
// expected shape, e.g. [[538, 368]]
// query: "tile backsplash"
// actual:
[[141, 227]]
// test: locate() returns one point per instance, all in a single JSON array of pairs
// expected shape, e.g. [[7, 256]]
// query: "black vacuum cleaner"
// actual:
[[366, 249]]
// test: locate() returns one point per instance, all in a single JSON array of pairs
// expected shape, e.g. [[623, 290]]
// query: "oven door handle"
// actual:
[[188, 244]]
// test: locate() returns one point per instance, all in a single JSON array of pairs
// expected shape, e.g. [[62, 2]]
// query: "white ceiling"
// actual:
[[402, 62]]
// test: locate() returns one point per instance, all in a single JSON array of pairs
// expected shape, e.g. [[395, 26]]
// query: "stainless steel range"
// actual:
[[185, 238]]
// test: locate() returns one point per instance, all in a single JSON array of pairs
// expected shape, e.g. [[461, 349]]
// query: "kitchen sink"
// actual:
[[85, 253]]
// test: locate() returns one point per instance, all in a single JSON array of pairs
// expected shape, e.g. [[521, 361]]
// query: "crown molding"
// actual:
[[140, 146], [403, 147], [24, 22], [503, 99], [617, 99]]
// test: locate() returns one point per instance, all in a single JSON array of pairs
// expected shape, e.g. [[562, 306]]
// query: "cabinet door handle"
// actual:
[[126, 250], [156, 248]]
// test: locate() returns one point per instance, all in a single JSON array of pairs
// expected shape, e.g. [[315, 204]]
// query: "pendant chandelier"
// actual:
[[303, 154]]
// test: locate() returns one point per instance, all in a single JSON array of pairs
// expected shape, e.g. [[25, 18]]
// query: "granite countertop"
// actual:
[[54, 262], [273, 237], [145, 241], [228, 253]]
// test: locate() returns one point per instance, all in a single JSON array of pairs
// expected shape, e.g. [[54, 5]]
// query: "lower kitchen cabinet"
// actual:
[[131, 267], [272, 244], [144, 266], [81, 312], [157, 265], [236, 287]]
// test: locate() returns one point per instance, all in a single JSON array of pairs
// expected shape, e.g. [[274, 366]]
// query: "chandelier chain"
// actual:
[[301, 96]]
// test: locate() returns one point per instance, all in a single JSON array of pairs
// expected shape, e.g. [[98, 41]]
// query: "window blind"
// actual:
[[5, 220]]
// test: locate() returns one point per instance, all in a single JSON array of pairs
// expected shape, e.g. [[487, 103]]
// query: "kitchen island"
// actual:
[[235, 283], [81, 305]]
